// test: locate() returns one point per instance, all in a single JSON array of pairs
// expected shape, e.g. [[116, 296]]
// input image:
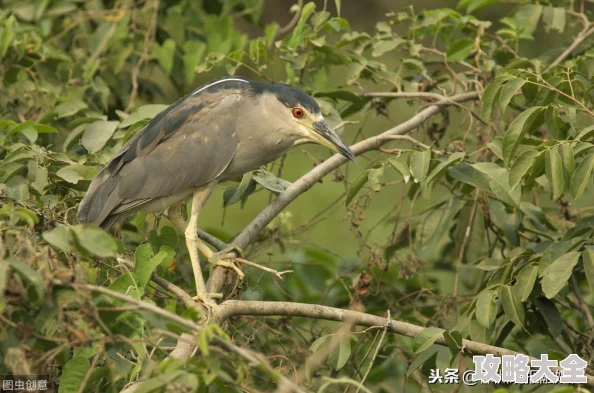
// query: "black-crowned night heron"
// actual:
[[218, 132]]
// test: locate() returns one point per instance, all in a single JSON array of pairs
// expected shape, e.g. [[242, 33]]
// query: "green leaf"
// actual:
[[490, 264], [550, 314], [96, 241], [525, 281], [512, 306], [568, 159], [159, 382], [460, 49], [6, 35], [522, 124], [236, 193], [75, 173], [97, 134], [73, 374], [70, 108], [269, 181], [454, 341], [59, 238], [490, 94], [444, 165], [301, 28], [521, 166], [588, 258], [554, 18], [557, 274], [194, 51], [73, 137], [527, 17], [499, 183], [554, 171], [126, 284], [551, 254], [316, 345], [420, 360], [374, 177], [554, 123], [425, 338], [508, 91], [143, 112], [353, 72], [473, 5], [468, 174], [401, 167], [582, 176], [341, 352], [3, 281], [486, 307], [29, 274], [419, 165], [382, 47], [144, 267], [165, 54], [356, 186], [585, 134], [478, 332]]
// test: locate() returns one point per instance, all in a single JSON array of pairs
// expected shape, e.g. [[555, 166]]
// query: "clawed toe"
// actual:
[[205, 299], [226, 258]]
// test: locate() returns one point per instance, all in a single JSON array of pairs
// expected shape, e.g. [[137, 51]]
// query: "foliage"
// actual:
[[489, 238]]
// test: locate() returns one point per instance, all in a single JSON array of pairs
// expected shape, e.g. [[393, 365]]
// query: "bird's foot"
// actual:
[[227, 258], [206, 299]]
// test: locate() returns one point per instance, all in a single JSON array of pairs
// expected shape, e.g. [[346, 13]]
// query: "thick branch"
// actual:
[[233, 308], [248, 355]]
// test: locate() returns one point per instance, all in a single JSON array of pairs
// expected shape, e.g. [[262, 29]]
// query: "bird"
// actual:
[[216, 133]]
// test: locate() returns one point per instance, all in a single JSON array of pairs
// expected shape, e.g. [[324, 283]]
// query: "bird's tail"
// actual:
[[100, 201]]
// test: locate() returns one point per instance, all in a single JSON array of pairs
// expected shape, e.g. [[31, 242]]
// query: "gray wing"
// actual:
[[187, 145]]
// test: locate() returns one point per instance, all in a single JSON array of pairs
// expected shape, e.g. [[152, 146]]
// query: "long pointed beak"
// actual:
[[326, 136]]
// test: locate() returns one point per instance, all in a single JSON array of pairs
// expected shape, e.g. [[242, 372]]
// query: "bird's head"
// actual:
[[295, 113]]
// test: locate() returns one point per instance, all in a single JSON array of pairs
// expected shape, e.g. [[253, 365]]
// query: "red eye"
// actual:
[[298, 113]]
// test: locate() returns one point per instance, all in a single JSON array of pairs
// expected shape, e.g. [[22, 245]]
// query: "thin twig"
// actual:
[[139, 303], [583, 306], [372, 361], [148, 37], [294, 20], [414, 142], [464, 241], [266, 269], [405, 94]]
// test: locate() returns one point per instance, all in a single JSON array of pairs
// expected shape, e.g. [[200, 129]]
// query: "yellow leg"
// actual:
[[223, 258], [174, 214], [194, 243]]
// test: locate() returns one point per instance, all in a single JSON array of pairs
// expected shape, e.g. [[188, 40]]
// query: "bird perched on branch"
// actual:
[[218, 132]]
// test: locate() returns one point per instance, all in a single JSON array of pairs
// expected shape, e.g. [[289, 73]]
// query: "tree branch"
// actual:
[[246, 354], [405, 94], [585, 33], [232, 308]]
